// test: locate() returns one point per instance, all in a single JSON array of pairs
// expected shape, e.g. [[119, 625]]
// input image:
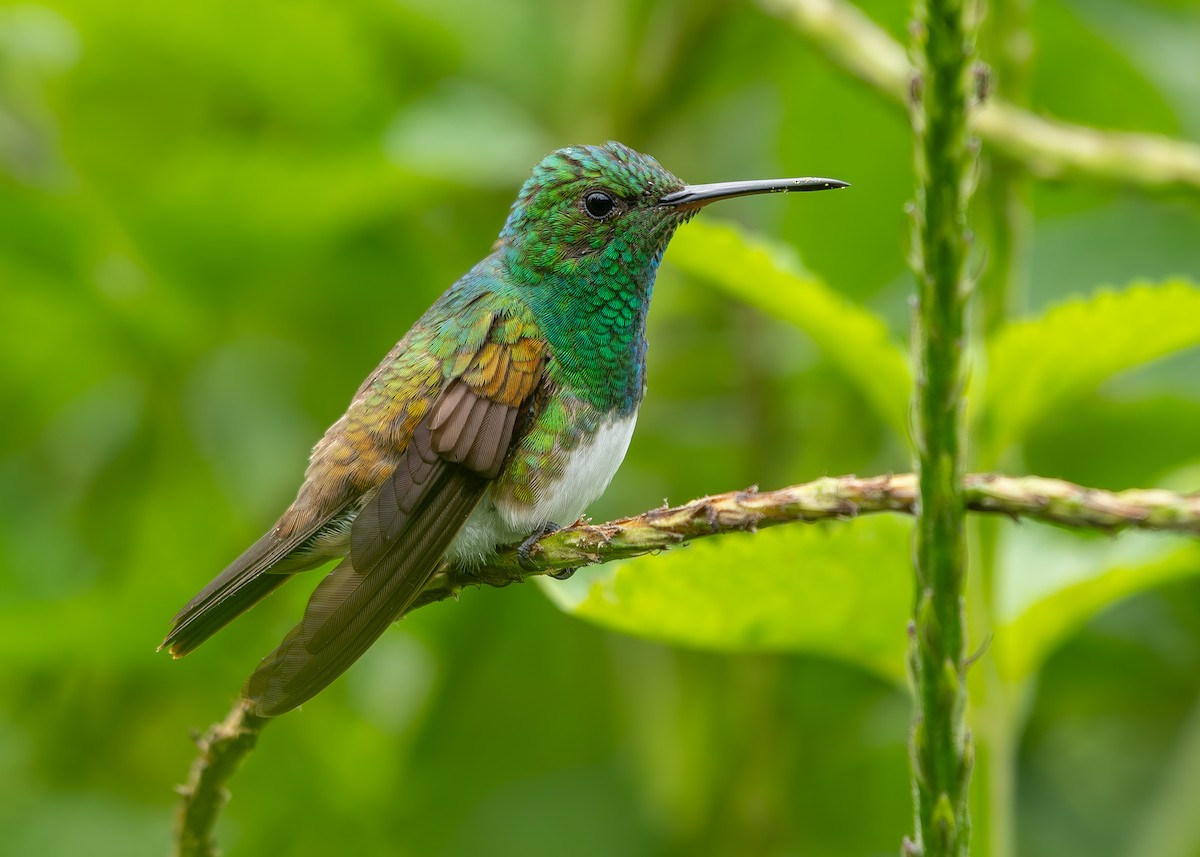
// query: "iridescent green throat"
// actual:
[[587, 273], [592, 311]]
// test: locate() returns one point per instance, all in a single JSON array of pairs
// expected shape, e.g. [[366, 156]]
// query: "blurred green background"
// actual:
[[215, 218]]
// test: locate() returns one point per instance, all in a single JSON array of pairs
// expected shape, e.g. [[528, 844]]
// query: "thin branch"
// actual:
[[1053, 501], [222, 749], [1047, 147]]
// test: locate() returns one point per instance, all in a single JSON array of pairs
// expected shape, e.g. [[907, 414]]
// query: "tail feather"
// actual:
[[265, 565], [352, 607]]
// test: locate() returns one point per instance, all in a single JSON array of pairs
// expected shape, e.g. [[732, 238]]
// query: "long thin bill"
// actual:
[[696, 195]]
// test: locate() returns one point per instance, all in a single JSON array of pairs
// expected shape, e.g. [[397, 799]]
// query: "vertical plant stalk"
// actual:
[[1007, 44], [941, 748]]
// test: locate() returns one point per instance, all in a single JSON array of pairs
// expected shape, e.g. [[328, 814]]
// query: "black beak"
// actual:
[[699, 195]]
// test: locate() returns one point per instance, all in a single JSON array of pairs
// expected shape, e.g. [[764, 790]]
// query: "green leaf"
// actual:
[[838, 589], [1053, 584], [1042, 364], [770, 277]]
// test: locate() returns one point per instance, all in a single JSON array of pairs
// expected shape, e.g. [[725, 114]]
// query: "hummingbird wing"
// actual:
[[399, 537], [349, 462]]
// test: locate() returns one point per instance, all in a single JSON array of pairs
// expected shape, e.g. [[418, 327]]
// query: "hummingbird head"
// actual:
[[582, 246], [588, 209], [607, 211]]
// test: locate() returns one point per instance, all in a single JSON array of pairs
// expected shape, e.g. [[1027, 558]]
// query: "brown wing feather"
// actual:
[[371, 587], [400, 535], [262, 567]]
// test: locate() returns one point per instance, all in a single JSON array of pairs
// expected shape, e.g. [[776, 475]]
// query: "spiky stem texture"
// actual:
[[940, 745]]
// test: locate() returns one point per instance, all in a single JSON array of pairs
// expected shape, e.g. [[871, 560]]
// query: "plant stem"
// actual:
[[831, 498], [1047, 148], [941, 747], [203, 796], [1008, 46], [995, 706], [1005, 189]]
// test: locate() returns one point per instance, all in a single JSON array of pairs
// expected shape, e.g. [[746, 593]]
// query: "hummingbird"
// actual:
[[505, 410]]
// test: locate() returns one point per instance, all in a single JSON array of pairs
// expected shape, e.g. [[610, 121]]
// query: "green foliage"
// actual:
[[216, 217], [770, 278], [1039, 624], [1048, 363], [800, 589]]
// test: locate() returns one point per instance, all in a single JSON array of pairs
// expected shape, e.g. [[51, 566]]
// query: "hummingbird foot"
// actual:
[[525, 547]]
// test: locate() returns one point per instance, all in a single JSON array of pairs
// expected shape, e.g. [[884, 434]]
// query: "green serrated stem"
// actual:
[[1048, 148], [943, 52]]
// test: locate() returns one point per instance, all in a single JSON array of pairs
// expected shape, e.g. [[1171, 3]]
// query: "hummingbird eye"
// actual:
[[598, 204]]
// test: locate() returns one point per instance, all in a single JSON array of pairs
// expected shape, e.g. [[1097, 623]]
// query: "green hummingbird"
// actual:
[[505, 410]]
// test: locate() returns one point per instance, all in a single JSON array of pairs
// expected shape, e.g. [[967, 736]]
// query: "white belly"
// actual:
[[589, 468]]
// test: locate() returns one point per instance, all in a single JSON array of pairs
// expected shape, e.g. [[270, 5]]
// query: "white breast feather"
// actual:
[[590, 467]]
